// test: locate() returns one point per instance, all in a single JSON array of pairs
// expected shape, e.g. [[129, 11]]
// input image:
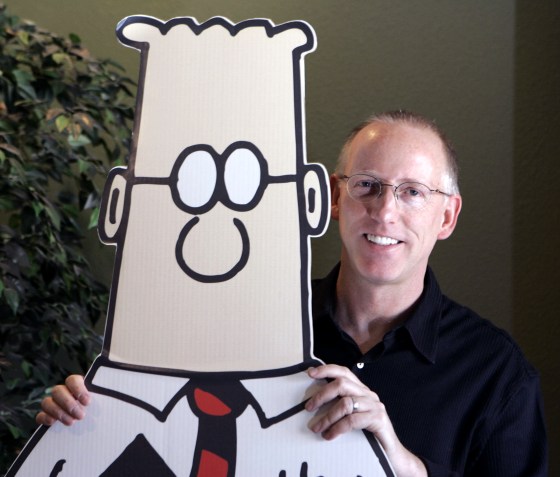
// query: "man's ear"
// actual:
[[316, 199], [450, 215], [335, 196], [112, 206]]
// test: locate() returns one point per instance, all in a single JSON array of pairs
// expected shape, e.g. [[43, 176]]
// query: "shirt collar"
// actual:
[[422, 326], [156, 391], [324, 294]]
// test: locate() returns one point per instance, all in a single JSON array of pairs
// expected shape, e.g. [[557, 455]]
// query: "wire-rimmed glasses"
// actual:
[[365, 188]]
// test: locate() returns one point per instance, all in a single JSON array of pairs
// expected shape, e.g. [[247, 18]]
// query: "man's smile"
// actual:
[[379, 240]]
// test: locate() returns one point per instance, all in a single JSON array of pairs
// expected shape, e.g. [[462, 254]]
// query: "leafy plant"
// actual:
[[65, 119]]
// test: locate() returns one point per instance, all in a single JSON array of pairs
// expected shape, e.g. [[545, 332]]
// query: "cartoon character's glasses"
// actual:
[[201, 178]]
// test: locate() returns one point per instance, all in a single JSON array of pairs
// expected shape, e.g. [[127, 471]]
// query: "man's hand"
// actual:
[[66, 402], [355, 406]]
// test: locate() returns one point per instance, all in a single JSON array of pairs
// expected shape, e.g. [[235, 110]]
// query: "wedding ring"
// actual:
[[355, 405]]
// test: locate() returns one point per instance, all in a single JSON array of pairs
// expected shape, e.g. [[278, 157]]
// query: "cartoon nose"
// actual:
[[208, 256]]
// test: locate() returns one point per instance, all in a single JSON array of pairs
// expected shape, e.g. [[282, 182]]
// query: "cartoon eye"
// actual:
[[196, 180], [242, 176]]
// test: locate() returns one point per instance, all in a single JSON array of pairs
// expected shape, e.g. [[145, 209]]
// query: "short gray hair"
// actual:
[[411, 119]]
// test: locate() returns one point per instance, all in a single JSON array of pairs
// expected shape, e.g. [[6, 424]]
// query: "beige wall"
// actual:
[[487, 71]]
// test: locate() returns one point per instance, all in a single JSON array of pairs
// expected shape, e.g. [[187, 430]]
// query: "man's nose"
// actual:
[[384, 207]]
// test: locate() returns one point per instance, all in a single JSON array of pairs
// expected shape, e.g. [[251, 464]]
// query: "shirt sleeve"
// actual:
[[516, 444], [435, 470]]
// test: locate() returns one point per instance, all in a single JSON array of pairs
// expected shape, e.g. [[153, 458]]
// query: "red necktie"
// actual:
[[217, 404], [211, 465]]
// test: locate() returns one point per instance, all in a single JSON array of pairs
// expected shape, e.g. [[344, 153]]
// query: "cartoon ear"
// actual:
[[317, 199], [112, 206]]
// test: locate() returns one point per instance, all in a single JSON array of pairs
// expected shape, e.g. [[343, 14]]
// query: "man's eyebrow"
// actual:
[[401, 180]]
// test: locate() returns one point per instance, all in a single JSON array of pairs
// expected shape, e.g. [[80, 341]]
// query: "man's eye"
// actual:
[[413, 192], [365, 184]]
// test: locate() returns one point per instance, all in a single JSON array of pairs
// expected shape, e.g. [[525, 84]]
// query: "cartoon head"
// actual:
[[212, 218]]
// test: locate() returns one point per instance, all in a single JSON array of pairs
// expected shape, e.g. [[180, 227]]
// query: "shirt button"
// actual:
[[360, 365]]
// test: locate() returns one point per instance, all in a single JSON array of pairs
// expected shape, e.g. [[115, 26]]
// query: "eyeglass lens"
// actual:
[[365, 188]]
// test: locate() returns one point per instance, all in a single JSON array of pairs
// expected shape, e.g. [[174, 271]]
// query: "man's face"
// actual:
[[383, 241]]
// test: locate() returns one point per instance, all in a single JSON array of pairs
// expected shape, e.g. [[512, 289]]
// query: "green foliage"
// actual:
[[65, 118]]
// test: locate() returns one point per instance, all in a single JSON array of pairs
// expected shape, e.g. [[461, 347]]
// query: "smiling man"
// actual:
[[444, 391]]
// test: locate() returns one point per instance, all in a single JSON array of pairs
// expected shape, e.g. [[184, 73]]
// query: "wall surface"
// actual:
[[536, 276], [467, 64]]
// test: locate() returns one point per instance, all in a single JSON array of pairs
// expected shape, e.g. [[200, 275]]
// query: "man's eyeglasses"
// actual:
[[365, 188]]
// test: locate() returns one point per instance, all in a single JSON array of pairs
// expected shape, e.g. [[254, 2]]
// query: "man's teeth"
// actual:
[[382, 240]]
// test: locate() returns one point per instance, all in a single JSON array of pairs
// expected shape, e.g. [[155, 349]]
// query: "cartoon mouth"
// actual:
[[222, 277], [379, 240]]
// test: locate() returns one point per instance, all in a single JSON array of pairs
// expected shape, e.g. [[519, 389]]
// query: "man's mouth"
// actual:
[[378, 240]]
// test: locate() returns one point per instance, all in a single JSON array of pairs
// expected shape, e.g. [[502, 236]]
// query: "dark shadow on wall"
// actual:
[[536, 207]]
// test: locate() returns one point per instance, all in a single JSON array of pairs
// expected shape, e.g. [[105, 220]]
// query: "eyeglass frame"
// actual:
[[383, 184]]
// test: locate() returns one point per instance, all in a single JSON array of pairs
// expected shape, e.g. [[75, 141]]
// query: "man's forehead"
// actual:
[[387, 132], [398, 142]]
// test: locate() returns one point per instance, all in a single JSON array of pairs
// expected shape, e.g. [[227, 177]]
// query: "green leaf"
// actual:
[[54, 216], [16, 433], [74, 38], [59, 58], [93, 218], [27, 368], [38, 207], [61, 122], [23, 37], [12, 297], [23, 81], [78, 141]]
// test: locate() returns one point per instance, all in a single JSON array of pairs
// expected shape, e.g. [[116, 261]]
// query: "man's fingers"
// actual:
[[348, 413], [63, 400], [44, 419], [76, 386], [51, 412], [340, 418], [66, 402], [331, 371], [339, 410], [340, 387]]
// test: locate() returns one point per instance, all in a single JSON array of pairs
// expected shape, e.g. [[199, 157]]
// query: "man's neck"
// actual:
[[367, 311]]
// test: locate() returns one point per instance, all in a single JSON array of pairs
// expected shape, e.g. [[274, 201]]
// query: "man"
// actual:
[[445, 392]]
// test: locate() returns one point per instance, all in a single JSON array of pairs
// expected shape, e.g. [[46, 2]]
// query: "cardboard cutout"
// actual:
[[208, 337]]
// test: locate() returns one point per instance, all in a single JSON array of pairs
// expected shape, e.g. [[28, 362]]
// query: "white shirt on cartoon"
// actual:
[[153, 414]]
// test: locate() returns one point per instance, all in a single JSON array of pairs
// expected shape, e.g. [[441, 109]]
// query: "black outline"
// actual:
[[199, 277], [299, 134]]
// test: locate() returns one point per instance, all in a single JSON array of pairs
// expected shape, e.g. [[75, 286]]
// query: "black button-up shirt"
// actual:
[[457, 389]]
